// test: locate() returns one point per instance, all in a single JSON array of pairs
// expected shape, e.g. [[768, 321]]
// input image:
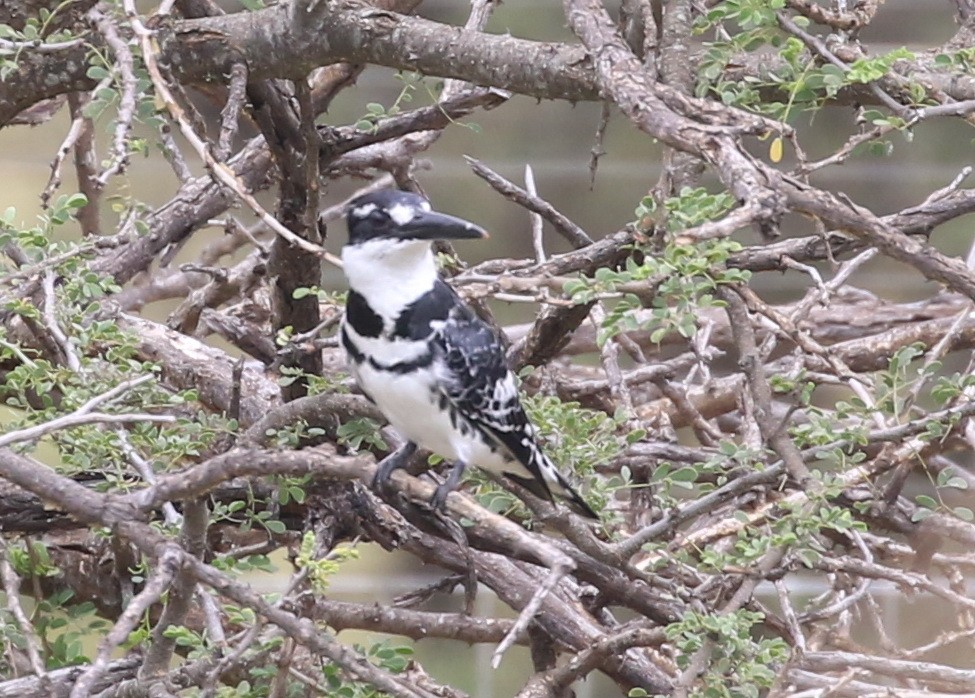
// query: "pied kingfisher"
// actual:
[[434, 369]]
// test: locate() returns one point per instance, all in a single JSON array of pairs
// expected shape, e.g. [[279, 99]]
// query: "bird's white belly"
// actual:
[[410, 405]]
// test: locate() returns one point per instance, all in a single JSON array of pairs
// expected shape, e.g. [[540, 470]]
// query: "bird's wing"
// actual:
[[477, 383]]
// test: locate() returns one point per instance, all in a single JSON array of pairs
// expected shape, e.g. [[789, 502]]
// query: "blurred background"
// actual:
[[556, 139]]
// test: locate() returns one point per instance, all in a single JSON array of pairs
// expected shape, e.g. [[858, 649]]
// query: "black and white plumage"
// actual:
[[435, 370]]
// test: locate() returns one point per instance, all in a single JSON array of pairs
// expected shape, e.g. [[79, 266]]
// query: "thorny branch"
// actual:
[[830, 435]]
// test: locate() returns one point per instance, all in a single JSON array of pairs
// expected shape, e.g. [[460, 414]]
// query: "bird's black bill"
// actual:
[[430, 225]]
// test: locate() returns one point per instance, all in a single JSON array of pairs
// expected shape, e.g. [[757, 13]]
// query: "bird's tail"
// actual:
[[553, 482], [573, 499]]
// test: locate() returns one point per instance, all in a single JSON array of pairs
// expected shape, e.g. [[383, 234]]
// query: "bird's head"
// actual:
[[392, 216]]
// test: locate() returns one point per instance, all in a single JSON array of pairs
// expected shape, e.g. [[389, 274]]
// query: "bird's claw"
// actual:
[[399, 458], [439, 499]]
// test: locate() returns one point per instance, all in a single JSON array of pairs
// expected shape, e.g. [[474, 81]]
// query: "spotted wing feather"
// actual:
[[479, 384]]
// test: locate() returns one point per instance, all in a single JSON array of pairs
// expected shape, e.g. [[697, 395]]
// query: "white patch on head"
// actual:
[[402, 213], [425, 205], [363, 211]]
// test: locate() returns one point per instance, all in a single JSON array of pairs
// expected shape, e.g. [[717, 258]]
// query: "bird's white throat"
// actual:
[[390, 274]]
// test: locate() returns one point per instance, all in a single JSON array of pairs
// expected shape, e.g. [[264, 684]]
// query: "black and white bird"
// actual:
[[434, 369]]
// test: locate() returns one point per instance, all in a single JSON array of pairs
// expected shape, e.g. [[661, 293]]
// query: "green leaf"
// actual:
[[97, 72], [77, 200], [921, 515], [964, 513], [684, 475], [275, 526]]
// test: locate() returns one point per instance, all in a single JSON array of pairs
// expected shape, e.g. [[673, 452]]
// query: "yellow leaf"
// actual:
[[775, 150]]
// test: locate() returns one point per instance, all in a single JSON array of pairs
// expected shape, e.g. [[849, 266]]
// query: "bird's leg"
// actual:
[[399, 458], [439, 500]]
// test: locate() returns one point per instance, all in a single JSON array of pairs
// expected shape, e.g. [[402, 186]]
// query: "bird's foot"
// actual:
[[399, 458], [439, 499]]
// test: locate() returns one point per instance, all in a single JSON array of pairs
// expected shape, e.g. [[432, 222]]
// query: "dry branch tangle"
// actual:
[[840, 344], [274, 45]]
